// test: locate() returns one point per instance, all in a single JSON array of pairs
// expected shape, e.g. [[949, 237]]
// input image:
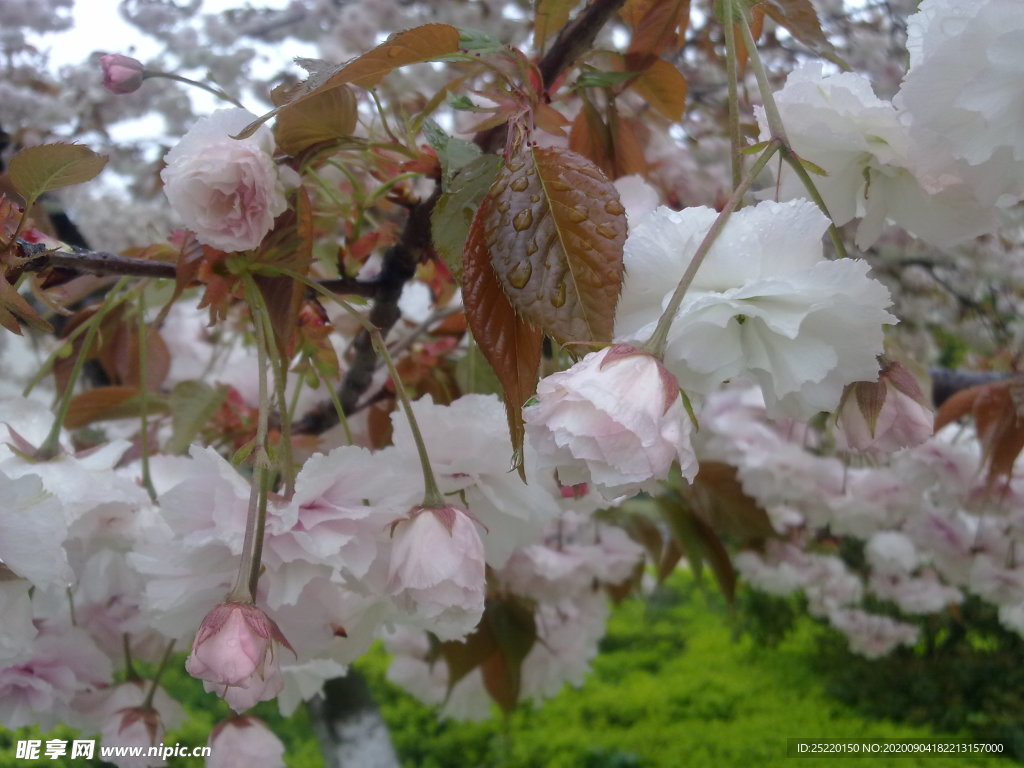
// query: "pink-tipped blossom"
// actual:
[[437, 570], [235, 653], [122, 74], [244, 742], [615, 419], [886, 415], [228, 191]]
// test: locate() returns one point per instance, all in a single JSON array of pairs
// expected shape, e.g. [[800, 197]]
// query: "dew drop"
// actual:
[[577, 214], [520, 274], [519, 183], [503, 206], [515, 165], [534, 198], [522, 220], [559, 185], [531, 248], [614, 207], [606, 230], [558, 300]]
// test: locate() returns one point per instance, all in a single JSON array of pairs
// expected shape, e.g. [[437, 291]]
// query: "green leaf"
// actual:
[[555, 231], [603, 79], [454, 211], [453, 153], [475, 41], [461, 101], [39, 169], [193, 404]]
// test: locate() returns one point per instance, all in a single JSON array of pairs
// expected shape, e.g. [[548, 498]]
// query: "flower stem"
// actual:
[[244, 590], [147, 479], [189, 81], [432, 496], [771, 109], [148, 703], [778, 130], [735, 148], [656, 344], [51, 444], [129, 668], [798, 168]]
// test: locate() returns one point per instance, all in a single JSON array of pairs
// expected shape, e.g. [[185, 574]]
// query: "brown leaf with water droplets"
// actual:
[[554, 230], [507, 340]]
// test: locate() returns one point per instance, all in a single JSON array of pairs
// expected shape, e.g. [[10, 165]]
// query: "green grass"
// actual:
[[672, 687]]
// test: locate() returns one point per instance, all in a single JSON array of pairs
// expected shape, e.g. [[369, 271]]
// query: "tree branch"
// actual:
[[40, 258]]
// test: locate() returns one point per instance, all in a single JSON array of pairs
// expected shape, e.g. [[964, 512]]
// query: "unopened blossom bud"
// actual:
[[885, 415], [244, 742], [122, 74], [133, 727], [234, 651], [437, 570], [615, 419]]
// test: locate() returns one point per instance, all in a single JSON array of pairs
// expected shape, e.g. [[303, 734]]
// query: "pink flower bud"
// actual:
[[885, 415], [133, 727], [437, 570], [234, 652], [122, 74]]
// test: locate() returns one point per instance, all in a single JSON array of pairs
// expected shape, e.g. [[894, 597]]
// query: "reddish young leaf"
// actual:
[[723, 504], [549, 17], [591, 138], [664, 87], [554, 231], [422, 43], [998, 412], [800, 18], [658, 27], [326, 116], [508, 342], [13, 306], [628, 152], [99, 404]]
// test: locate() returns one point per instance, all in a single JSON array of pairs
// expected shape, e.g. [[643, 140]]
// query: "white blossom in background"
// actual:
[[765, 304], [963, 96], [836, 122]]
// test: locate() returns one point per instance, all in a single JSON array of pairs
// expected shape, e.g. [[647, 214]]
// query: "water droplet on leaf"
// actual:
[[520, 274], [559, 298], [523, 220]]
